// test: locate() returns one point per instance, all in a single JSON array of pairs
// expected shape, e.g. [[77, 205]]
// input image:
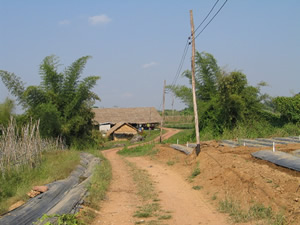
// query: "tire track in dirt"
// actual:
[[121, 199], [188, 205]]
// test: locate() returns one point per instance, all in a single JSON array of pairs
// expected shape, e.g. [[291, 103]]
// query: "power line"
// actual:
[[181, 62], [211, 19], [179, 67], [207, 16]]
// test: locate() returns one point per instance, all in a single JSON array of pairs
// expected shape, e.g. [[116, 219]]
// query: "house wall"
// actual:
[[122, 137], [104, 128], [126, 129]]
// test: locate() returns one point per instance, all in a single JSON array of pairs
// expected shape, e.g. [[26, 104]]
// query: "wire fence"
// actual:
[[23, 146]]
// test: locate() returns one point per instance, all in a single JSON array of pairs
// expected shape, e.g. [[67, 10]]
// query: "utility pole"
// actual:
[[163, 111], [193, 84]]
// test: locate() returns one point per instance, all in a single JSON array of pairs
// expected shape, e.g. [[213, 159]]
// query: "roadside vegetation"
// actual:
[[54, 165], [97, 189], [231, 108], [257, 212], [142, 150], [148, 135]]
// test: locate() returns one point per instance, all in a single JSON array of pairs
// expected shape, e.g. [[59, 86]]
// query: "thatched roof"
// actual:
[[142, 115], [119, 125]]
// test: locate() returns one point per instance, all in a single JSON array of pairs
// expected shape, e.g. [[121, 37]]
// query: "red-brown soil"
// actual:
[[226, 173], [234, 174]]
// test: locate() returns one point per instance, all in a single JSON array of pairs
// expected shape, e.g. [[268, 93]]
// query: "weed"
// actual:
[[214, 197], [97, 188], [99, 182], [195, 172], [144, 184], [197, 187], [165, 217], [64, 219], [256, 212], [170, 163], [147, 192], [147, 210]]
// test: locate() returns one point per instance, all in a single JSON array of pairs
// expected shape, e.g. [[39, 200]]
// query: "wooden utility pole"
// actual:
[[193, 84], [163, 111]]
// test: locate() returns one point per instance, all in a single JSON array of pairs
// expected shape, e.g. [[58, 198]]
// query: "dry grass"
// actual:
[[23, 146]]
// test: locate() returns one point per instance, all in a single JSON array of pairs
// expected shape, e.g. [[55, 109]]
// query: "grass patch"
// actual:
[[99, 182], [54, 165], [183, 137], [97, 188], [147, 149], [255, 212], [165, 217], [195, 172], [170, 163], [146, 190], [197, 187], [214, 197], [147, 210]]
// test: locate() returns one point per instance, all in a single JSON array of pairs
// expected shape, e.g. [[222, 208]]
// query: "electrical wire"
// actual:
[[181, 62], [207, 16], [211, 19]]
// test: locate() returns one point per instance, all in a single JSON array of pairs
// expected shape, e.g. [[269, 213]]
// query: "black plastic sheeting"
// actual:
[[261, 142], [63, 196], [184, 149], [279, 158]]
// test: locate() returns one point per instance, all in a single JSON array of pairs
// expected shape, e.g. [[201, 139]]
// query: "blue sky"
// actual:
[[135, 45]]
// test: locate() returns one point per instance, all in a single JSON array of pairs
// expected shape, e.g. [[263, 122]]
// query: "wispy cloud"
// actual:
[[151, 64], [64, 22], [99, 19]]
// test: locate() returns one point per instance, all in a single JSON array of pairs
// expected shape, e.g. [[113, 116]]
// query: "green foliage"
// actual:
[[62, 102], [100, 181], [183, 137], [289, 108], [141, 150], [224, 99], [255, 212], [195, 172], [6, 110], [55, 165], [64, 219]]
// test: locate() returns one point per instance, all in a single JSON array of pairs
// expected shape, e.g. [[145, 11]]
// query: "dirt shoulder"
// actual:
[[232, 173]]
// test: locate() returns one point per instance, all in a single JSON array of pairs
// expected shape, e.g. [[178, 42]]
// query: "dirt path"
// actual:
[[187, 205], [121, 200]]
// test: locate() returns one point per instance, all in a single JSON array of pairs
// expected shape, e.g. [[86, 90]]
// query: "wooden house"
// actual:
[[121, 131], [106, 118]]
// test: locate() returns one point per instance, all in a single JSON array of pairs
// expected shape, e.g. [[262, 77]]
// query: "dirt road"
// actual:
[[188, 206], [176, 194], [121, 199]]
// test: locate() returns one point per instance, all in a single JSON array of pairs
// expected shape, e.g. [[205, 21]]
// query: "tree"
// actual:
[[224, 99], [62, 101], [206, 80], [6, 110], [289, 108]]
